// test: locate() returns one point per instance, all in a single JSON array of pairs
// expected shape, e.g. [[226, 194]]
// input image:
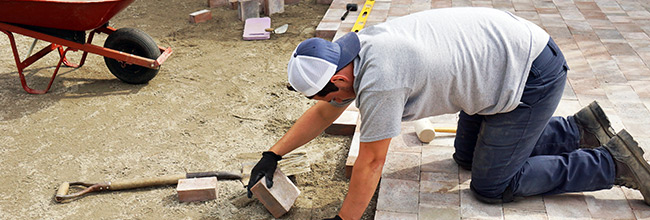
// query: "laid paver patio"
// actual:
[[607, 46]]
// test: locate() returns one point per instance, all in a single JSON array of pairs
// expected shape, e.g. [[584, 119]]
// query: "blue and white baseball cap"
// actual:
[[316, 60]]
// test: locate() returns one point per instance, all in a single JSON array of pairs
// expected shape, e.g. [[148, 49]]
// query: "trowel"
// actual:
[[279, 30]]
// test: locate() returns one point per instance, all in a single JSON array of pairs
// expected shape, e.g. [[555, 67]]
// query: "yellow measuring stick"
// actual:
[[363, 15]]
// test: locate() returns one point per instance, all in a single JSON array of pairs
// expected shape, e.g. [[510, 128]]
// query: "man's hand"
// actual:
[[264, 168]]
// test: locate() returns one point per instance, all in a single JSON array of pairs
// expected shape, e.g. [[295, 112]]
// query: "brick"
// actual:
[[200, 16], [402, 165], [384, 215], [273, 7], [197, 189], [248, 9], [327, 30], [566, 206], [345, 124], [218, 3], [398, 195], [353, 153], [608, 204], [279, 198]]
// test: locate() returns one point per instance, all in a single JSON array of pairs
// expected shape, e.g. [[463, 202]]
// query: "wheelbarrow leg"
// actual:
[[21, 65]]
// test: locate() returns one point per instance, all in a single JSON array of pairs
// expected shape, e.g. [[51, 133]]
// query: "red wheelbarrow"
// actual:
[[130, 54]]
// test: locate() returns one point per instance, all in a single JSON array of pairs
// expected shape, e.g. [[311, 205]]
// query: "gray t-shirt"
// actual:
[[442, 61]]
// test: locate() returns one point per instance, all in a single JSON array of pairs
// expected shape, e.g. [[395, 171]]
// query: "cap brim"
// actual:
[[350, 47]]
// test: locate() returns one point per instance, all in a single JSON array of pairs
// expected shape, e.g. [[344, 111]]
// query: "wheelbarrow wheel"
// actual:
[[136, 42]]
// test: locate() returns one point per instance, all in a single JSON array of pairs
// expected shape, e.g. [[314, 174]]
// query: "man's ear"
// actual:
[[339, 77]]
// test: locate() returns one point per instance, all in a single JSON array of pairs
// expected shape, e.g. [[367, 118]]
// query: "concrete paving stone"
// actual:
[[436, 212], [639, 14], [327, 30], [559, 32], [593, 15], [379, 15], [619, 19], [418, 7], [641, 88], [514, 214], [398, 11], [544, 4], [608, 204], [486, 4], [548, 11], [622, 94], [528, 204], [631, 36], [408, 142], [528, 15], [464, 176], [566, 206], [579, 27], [600, 23], [596, 53], [461, 3], [567, 107], [438, 193], [398, 195], [385, 215], [333, 14], [552, 20], [381, 6], [608, 34], [629, 27], [438, 159], [523, 5], [440, 3], [635, 199], [422, 1], [470, 208], [405, 166], [607, 72], [568, 92], [439, 177], [587, 5], [572, 14]]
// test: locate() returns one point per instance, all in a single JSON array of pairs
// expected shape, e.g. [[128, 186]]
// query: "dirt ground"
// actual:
[[215, 98]]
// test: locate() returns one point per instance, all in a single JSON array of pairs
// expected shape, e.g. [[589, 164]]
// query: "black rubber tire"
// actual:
[[136, 42]]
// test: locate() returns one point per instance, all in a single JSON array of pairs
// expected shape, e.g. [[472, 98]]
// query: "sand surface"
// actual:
[[217, 97]]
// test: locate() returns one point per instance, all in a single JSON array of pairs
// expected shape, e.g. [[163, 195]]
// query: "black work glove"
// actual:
[[264, 168], [337, 217]]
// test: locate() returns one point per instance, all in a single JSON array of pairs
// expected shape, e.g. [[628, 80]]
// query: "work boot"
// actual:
[[632, 170], [595, 129]]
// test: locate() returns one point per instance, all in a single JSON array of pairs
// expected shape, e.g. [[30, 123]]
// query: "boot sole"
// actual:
[[636, 152]]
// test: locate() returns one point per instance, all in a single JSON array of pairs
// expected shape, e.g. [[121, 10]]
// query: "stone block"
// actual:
[[218, 3], [273, 7], [327, 30], [200, 16], [353, 153], [197, 189], [345, 124], [279, 198], [398, 195], [248, 9]]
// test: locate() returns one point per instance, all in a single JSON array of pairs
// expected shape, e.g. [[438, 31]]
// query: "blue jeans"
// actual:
[[526, 151]]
